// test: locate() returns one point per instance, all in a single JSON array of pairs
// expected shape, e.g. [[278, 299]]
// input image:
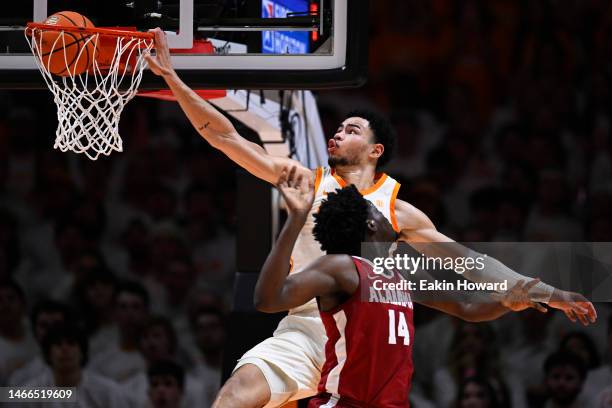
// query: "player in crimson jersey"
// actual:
[[286, 366], [368, 354]]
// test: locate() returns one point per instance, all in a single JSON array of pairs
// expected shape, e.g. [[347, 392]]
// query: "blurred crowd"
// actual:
[[503, 112], [115, 274]]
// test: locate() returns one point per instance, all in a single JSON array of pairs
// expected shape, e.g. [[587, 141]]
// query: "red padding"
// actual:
[[166, 94]]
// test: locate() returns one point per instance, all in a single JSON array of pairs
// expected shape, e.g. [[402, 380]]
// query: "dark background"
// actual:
[[502, 110]]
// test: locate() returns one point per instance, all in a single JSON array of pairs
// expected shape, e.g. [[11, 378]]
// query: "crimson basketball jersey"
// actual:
[[382, 194], [368, 354]]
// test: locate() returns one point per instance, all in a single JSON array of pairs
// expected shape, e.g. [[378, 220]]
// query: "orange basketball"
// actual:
[[69, 53]]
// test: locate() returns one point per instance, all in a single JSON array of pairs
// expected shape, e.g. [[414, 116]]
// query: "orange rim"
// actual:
[[90, 30]]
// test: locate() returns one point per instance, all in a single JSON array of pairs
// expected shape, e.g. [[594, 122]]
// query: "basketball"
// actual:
[[67, 53]]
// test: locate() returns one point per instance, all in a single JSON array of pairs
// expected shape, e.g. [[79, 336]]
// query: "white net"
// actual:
[[89, 104]]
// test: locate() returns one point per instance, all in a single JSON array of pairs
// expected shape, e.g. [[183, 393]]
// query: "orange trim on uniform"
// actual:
[[339, 179], [318, 177], [380, 180], [376, 186], [392, 209]]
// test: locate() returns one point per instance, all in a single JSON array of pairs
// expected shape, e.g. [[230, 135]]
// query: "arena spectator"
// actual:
[[122, 360], [95, 296], [166, 384], [65, 351], [473, 352], [581, 344], [601, 377], [17, 345], [564, 376], [476, 392], [45, 316], [208, 325]]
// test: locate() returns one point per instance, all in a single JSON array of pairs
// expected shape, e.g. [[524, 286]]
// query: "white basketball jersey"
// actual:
[[382, 194]]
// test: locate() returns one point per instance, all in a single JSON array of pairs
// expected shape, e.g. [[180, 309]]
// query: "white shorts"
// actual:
[[291, 360]]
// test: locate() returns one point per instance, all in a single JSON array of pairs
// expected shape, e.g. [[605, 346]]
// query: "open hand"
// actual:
[[517, 297], [574, 305], [297, 190], [160, 64]]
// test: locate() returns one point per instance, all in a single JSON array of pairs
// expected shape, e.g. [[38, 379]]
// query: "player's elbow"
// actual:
[[473, 318], [471, 313], [264, 305]]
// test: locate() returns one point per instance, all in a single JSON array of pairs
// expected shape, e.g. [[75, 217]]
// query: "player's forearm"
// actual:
[[209, 122], [472, 307], [495, 271], [482, 311], [269, 290], [432, 243]]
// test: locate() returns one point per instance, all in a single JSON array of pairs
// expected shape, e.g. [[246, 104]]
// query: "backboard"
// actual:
[[258, 44]]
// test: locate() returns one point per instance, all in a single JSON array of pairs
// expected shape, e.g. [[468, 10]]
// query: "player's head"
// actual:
[[346, 219], [166, 382], [65, 348], [363, 137]]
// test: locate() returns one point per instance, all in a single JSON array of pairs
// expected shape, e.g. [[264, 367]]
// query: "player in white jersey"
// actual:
[[287, 366]]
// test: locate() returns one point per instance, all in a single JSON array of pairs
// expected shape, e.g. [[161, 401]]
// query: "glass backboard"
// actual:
[[258, 44]]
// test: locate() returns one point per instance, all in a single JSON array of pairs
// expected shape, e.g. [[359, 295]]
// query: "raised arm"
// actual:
[[418, 231], [215, 128], [275, 291]]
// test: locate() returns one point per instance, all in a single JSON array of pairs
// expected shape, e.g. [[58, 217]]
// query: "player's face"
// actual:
[[164, 392], [351, 143], [382, 230]]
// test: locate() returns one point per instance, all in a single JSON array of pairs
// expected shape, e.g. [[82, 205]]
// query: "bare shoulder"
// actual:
[[411, 218], [333, 264], [342, 269]]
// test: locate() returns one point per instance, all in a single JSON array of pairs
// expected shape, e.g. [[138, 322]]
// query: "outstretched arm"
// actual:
[[418, 231], [215, 128], [486, 307], [275, 291]]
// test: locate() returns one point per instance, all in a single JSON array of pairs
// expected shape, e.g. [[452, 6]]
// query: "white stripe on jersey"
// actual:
[[333, 379], [333, 400]]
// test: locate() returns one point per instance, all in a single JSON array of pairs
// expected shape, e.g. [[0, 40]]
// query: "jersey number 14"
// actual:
[[398, 328]]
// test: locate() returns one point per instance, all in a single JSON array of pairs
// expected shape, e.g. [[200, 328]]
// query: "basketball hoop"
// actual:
[[89, 103]]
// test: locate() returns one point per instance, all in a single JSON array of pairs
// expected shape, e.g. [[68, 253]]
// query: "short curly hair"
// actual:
[[383, 132], [340, 223]]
